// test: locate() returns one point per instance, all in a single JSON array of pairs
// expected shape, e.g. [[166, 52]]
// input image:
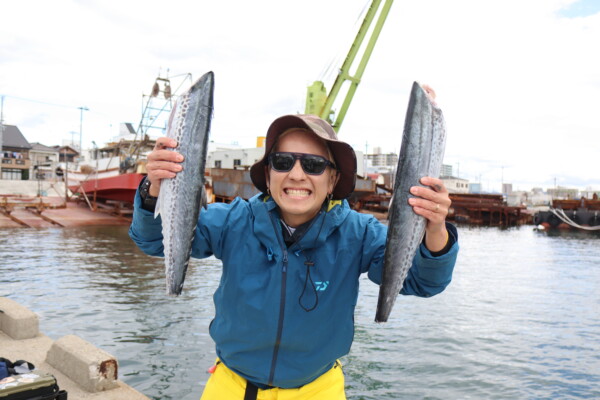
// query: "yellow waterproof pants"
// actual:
[[224, 384]]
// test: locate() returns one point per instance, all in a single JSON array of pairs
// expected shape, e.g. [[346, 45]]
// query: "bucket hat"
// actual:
[[343, 154]]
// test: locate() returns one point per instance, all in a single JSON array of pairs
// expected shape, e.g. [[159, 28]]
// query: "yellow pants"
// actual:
[[224, 384]]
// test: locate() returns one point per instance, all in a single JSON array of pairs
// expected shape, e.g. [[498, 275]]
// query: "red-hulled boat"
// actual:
[[120, 187]]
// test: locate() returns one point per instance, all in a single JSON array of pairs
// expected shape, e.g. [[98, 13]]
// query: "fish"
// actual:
[[180, 198], [421, 154]]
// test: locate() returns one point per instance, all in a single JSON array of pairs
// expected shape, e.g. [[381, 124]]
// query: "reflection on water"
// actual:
[[521, 318]]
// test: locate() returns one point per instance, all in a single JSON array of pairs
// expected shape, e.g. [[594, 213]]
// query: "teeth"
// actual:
[[297, 192]]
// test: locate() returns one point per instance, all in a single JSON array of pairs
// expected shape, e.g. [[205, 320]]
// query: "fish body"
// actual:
[[181, 197], [421, 154]]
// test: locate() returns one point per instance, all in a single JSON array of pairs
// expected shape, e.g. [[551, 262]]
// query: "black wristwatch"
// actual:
[[148, 201]]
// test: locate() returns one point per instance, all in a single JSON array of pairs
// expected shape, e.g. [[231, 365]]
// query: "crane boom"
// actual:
[[320, 103]]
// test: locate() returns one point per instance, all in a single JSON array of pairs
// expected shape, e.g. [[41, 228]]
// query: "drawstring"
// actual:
[[309, 263]]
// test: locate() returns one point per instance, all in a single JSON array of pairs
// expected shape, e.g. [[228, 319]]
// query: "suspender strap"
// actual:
[[251, 391]]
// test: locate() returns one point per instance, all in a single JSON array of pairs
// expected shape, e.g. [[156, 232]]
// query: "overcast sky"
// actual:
[[518, 80]]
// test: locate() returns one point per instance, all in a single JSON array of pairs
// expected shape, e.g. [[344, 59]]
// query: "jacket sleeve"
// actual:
[[428, 275], [145, 230]]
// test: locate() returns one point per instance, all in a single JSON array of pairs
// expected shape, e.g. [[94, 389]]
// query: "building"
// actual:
[[507, 188], [563, 193], [234, 158], [67, 154], [446, 170], [456, 185], [15, 154], [475, 187], [44, 161], [379, 159]]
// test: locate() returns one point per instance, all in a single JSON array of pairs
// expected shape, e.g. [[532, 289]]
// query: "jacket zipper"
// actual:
[[282, 302]]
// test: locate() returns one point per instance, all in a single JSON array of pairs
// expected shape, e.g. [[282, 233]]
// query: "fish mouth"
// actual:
[[297, 192]]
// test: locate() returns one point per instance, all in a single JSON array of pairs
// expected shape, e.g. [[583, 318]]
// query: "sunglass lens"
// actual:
[[313, 165], [282, 162]]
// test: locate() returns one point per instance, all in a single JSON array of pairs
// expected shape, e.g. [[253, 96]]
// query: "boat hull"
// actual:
[[118, 188]]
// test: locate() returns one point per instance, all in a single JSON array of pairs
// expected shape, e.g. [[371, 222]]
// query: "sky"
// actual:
[[518, 80]]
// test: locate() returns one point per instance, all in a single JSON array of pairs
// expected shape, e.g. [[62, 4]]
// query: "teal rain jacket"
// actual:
[[284, 315]]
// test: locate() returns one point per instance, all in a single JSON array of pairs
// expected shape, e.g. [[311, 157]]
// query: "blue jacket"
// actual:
[[284, 315]]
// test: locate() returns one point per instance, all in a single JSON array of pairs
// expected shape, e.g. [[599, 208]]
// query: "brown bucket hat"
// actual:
[[343, 154]]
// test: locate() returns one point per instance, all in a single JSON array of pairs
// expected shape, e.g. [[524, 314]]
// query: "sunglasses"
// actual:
[[311, 164]]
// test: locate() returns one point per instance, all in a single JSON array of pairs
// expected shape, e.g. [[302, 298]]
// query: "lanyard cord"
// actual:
[[310, 263]]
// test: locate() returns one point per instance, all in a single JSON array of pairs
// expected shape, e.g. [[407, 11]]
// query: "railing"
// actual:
[[20, 163]]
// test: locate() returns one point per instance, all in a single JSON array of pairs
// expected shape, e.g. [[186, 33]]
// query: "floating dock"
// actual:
[[46, 212], [486, 209]]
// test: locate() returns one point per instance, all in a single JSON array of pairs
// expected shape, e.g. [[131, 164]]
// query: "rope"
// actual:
[[560, 213]]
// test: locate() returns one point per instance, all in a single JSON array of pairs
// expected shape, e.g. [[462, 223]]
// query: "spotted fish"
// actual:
[[421, 154], [181, 197]]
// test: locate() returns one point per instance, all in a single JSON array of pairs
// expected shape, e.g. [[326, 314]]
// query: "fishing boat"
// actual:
[[113, 172]]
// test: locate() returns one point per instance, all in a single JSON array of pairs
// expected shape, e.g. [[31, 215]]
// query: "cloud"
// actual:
[[518, 80]]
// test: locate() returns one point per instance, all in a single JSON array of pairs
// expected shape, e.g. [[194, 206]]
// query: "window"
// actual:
[[12, 174], [237, 163], [217, 163]]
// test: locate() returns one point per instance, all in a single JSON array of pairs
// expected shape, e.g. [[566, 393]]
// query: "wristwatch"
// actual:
[[148, 201]]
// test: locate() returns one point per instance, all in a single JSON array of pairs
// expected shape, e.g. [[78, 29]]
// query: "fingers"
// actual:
[[431, 202], [163, 162], [164, 143]]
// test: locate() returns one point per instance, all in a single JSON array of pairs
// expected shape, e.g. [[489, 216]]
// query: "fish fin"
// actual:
[[157, 207]]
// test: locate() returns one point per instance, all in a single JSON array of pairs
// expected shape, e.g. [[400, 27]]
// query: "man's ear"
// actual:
[[333, 181], [267, 177]]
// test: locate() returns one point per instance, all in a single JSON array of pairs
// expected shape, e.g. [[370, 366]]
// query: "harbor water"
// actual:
[[521, 319]]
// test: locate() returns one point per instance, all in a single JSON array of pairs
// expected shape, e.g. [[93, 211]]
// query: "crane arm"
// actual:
[[320, 103]]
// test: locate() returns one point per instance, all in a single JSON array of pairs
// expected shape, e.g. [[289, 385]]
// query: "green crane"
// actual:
[[318, 102]]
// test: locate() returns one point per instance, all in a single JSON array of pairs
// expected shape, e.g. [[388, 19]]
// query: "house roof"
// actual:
[[40, 147], [12, 137]]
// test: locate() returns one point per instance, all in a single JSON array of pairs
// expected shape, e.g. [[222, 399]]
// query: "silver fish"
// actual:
[[181, 197], [421, 154]]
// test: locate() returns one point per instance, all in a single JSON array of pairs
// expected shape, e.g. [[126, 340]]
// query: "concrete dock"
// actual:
[[83, 370], [45, 212]]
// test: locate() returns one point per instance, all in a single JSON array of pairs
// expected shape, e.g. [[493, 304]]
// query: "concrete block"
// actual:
[[91, 368], [17, 321]]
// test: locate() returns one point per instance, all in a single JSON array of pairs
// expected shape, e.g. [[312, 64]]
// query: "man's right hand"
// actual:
[[162, 163]]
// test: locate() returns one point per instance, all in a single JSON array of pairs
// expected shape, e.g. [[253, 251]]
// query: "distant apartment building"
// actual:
[[563, 193], [379, 159]]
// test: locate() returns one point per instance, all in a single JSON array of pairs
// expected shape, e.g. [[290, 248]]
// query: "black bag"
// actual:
[[33, 385]]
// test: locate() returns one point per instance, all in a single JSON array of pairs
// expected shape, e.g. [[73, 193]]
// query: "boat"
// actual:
[[112, 174], [121, 187], [582, 214]]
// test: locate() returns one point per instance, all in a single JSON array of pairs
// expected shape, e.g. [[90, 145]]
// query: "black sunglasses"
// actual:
[[311, 164]]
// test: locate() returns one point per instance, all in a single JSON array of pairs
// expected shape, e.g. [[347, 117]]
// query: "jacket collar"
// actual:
[[268, 230]]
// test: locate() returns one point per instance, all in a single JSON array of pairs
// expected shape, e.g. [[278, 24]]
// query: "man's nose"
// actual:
[[297, 172]]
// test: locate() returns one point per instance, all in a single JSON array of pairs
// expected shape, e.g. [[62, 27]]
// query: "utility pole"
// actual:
[[81, 110]]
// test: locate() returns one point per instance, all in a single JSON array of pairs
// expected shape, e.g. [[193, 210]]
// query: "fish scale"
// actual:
[[421, 154], [181, 197]]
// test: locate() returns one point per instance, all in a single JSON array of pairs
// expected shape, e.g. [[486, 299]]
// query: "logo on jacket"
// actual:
[[321, 286]]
